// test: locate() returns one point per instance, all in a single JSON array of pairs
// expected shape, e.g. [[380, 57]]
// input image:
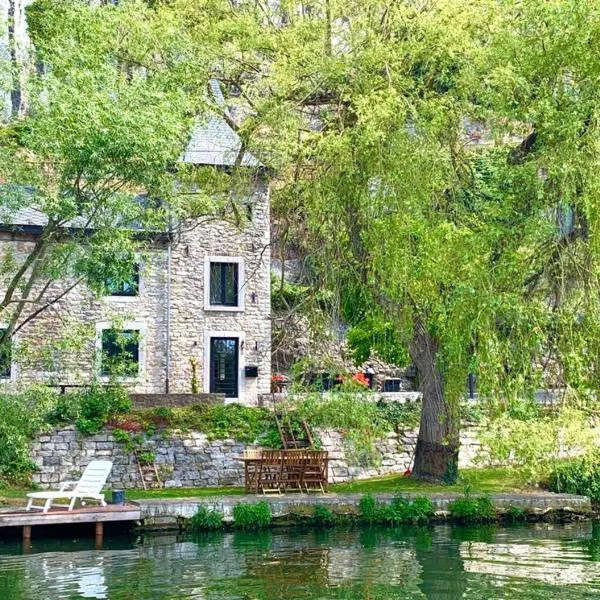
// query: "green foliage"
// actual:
[[106, 122], [400, 415], [535, 441], [206, 520], [373, 334], [23, 417], [470, 509], [97, 405], [221, 421], [515, 514], [287, 296], [252, 516], [368, 508], [323, 516], [355, 415], [399, 511], [91, 409], [422, 509], [579, 475]]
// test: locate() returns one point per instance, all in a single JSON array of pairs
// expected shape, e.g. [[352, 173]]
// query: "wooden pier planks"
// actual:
[[128, 512]]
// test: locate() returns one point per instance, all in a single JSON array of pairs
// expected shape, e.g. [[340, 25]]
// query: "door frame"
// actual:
[[241, 336]]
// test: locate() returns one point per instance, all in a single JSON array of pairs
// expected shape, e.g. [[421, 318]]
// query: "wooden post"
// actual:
[[99, 534], [26, 538]]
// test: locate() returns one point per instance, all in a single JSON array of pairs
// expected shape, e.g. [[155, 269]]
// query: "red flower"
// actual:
[[361, 378]]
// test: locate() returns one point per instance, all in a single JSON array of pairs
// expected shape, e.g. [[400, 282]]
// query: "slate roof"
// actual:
[[214, 142]]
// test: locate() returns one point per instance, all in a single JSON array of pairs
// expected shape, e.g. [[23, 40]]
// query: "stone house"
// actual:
[[195, 316]]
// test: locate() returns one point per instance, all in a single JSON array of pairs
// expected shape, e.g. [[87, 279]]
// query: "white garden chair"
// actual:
[[89, 486]]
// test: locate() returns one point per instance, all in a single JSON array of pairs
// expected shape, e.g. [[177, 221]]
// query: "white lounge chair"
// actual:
[[89, 486]]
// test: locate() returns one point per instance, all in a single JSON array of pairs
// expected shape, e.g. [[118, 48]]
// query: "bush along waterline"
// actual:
[[206, 519], [400, 511], [252, 516], [472, 509]]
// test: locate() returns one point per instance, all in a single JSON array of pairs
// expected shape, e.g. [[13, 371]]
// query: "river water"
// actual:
[[439, 562]]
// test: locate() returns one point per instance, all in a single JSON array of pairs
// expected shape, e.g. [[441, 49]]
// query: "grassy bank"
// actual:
[[482, 481]]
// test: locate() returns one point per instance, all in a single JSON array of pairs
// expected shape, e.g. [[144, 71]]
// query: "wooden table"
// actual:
[[253, 469]]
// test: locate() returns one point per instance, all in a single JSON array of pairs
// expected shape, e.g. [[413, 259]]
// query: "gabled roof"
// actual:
[[214, 142]]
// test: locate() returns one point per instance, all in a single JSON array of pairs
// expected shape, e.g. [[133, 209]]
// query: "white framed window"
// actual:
[[126, 289], [120, 350], [224, 283], [224, 363]]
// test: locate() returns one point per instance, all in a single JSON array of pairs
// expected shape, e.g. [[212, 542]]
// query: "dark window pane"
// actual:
[[120, 352], [5, 358], [224, 284], [215, 283], [124, 287]]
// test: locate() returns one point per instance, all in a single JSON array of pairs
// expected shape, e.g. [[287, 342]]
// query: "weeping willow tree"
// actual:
[[437, 164]]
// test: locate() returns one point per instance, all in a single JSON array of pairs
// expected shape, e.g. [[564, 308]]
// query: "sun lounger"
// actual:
[[88, 487]]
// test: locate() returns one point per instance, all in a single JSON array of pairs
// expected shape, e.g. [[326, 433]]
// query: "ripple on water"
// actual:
[[411, 562]]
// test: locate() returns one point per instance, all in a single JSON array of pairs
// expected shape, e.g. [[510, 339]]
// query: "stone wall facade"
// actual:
[[170, 312], [192, 460]]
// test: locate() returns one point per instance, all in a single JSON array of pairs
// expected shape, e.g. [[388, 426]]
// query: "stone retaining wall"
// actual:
[[394, 454], [166, 513], [191, 460], [174, 400]]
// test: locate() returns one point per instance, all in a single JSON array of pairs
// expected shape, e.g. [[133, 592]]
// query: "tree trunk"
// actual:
[[436, 456]]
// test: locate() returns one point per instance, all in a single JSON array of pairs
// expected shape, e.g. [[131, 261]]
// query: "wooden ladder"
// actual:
[[288, 439], [148, 474]]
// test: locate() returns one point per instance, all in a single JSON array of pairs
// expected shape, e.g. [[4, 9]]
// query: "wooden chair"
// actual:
[[294, 463], [270, 475], [252, 457], [315, 470]]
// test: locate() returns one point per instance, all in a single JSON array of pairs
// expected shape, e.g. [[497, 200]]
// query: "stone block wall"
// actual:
[[394, 454], [191, 460], [187, 460], [173, 337], [174, 400]]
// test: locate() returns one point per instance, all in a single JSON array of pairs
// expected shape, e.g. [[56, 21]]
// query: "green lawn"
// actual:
[[476, 480]]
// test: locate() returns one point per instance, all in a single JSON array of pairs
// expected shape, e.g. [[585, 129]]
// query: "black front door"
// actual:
[[224, 366]]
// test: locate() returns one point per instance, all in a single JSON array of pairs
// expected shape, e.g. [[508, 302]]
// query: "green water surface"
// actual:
[[439, 562]]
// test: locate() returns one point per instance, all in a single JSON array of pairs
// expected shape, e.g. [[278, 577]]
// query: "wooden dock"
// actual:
[[60, 516]]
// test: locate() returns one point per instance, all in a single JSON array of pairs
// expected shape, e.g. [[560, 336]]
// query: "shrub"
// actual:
[[515, 514], [536, 442], [252, 516], [221, 421], [23, 417], [354, 414], [472, 509], [368, 509], [398, 511], [400, 415], [206, 520], [323, 516], [422, 509], [577, 476], [96, 406]]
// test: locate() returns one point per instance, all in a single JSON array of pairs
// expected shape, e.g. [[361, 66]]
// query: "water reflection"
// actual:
[[436, 563]]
